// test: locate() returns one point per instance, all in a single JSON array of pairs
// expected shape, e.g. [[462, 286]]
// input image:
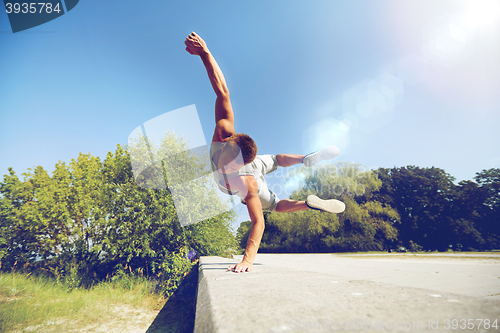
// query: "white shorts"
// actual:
[[261, 166]]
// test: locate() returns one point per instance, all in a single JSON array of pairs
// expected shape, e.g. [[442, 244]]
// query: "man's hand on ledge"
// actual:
[[243, 266]]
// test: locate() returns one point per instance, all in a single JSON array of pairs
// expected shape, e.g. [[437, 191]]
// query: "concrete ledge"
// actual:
[[325, 292]]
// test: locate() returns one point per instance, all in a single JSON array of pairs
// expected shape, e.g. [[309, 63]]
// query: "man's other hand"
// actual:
[[243, 266], [195, 45]]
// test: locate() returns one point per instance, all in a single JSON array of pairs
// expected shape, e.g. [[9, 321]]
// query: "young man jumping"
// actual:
[[238, 170]]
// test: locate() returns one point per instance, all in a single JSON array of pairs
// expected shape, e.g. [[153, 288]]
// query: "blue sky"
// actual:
[[391, 83]]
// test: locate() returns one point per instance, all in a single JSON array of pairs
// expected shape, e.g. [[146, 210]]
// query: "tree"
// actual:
[[183, 177], [92, 220], [365, 224], [489, 191], [431, 208], [14, 247], [465, 215]]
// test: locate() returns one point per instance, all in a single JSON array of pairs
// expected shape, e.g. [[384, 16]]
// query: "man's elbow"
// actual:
[[223, 93]]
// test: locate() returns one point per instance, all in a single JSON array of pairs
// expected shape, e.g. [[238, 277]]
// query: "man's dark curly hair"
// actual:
[[245, 143]]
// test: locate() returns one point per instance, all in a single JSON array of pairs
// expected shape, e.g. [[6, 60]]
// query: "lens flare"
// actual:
[[478, 14], [327, 132]]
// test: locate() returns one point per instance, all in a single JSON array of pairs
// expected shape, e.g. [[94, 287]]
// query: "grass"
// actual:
[[43, 304]]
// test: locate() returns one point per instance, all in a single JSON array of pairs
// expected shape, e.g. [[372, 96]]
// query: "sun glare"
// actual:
[[481, 13]]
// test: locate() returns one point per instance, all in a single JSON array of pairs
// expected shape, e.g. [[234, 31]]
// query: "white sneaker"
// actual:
[[326, 153], [330, 206]]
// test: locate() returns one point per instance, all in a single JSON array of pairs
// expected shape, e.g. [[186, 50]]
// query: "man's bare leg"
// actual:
[[313, 202], [286, 160], [290, 206]]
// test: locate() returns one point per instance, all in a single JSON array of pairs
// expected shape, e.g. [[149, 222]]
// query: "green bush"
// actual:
[[90, 222]]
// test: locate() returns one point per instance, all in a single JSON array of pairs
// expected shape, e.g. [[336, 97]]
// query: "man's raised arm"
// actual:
[[224, 117]]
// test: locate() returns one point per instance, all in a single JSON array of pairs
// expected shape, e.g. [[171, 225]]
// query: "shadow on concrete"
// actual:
[[178, 314]]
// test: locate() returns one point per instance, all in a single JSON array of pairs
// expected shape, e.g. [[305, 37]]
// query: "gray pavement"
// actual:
[[339, 292]]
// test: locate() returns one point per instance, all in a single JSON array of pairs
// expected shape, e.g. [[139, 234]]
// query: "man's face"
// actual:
[[229, 164]]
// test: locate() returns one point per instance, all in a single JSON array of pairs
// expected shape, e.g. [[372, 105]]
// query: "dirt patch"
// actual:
[[176, 315], [125, 318], [120, 318]]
